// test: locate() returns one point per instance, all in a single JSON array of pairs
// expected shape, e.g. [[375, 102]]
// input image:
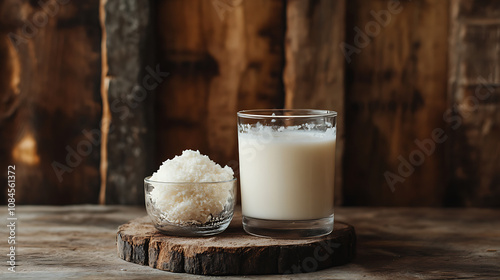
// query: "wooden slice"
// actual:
[[233, 251]]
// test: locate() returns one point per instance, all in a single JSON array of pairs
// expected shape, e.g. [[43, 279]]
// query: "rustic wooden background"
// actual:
[[95, 94]]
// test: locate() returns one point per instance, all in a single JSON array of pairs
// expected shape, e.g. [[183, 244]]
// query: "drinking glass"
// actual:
[[287, 171]]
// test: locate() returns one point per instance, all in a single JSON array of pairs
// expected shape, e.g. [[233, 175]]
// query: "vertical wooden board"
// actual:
[[224, 32], [396, 81], [223, 55], [314, 72], [474, 115], [181, 102], [10, 101], [131, 77], [262, 81], [49, 96]]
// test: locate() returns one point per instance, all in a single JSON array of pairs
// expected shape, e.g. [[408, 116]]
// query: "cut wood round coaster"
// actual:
[[233, 251]]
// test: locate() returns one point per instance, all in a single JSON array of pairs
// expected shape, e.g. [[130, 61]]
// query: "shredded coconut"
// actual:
[[191, 203]]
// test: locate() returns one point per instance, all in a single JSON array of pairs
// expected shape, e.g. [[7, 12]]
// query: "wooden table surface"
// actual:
[[78, 242]]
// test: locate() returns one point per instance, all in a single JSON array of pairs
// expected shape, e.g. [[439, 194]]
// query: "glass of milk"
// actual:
[[287, 171]]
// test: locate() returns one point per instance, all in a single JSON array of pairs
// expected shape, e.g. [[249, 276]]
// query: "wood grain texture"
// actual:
[[78, 242], [473, 113], [314, 71], [131, 79], [49, 97], [233, 252], [223, 55], [395, 94]]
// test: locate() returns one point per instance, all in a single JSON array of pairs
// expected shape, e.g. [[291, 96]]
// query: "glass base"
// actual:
[[193, 230], [288, 229], [190, 232]]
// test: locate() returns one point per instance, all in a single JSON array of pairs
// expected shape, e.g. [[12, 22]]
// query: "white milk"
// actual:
[[287, 175]]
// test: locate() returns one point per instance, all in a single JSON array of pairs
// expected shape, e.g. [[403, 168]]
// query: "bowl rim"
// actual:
[[148, 180]]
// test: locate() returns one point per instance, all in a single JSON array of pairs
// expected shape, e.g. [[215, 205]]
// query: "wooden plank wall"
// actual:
[[474, 96], [400, 73], [49, 84], [395, 95]]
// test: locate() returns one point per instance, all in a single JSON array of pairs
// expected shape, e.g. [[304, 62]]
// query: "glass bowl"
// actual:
[[189, 208]]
